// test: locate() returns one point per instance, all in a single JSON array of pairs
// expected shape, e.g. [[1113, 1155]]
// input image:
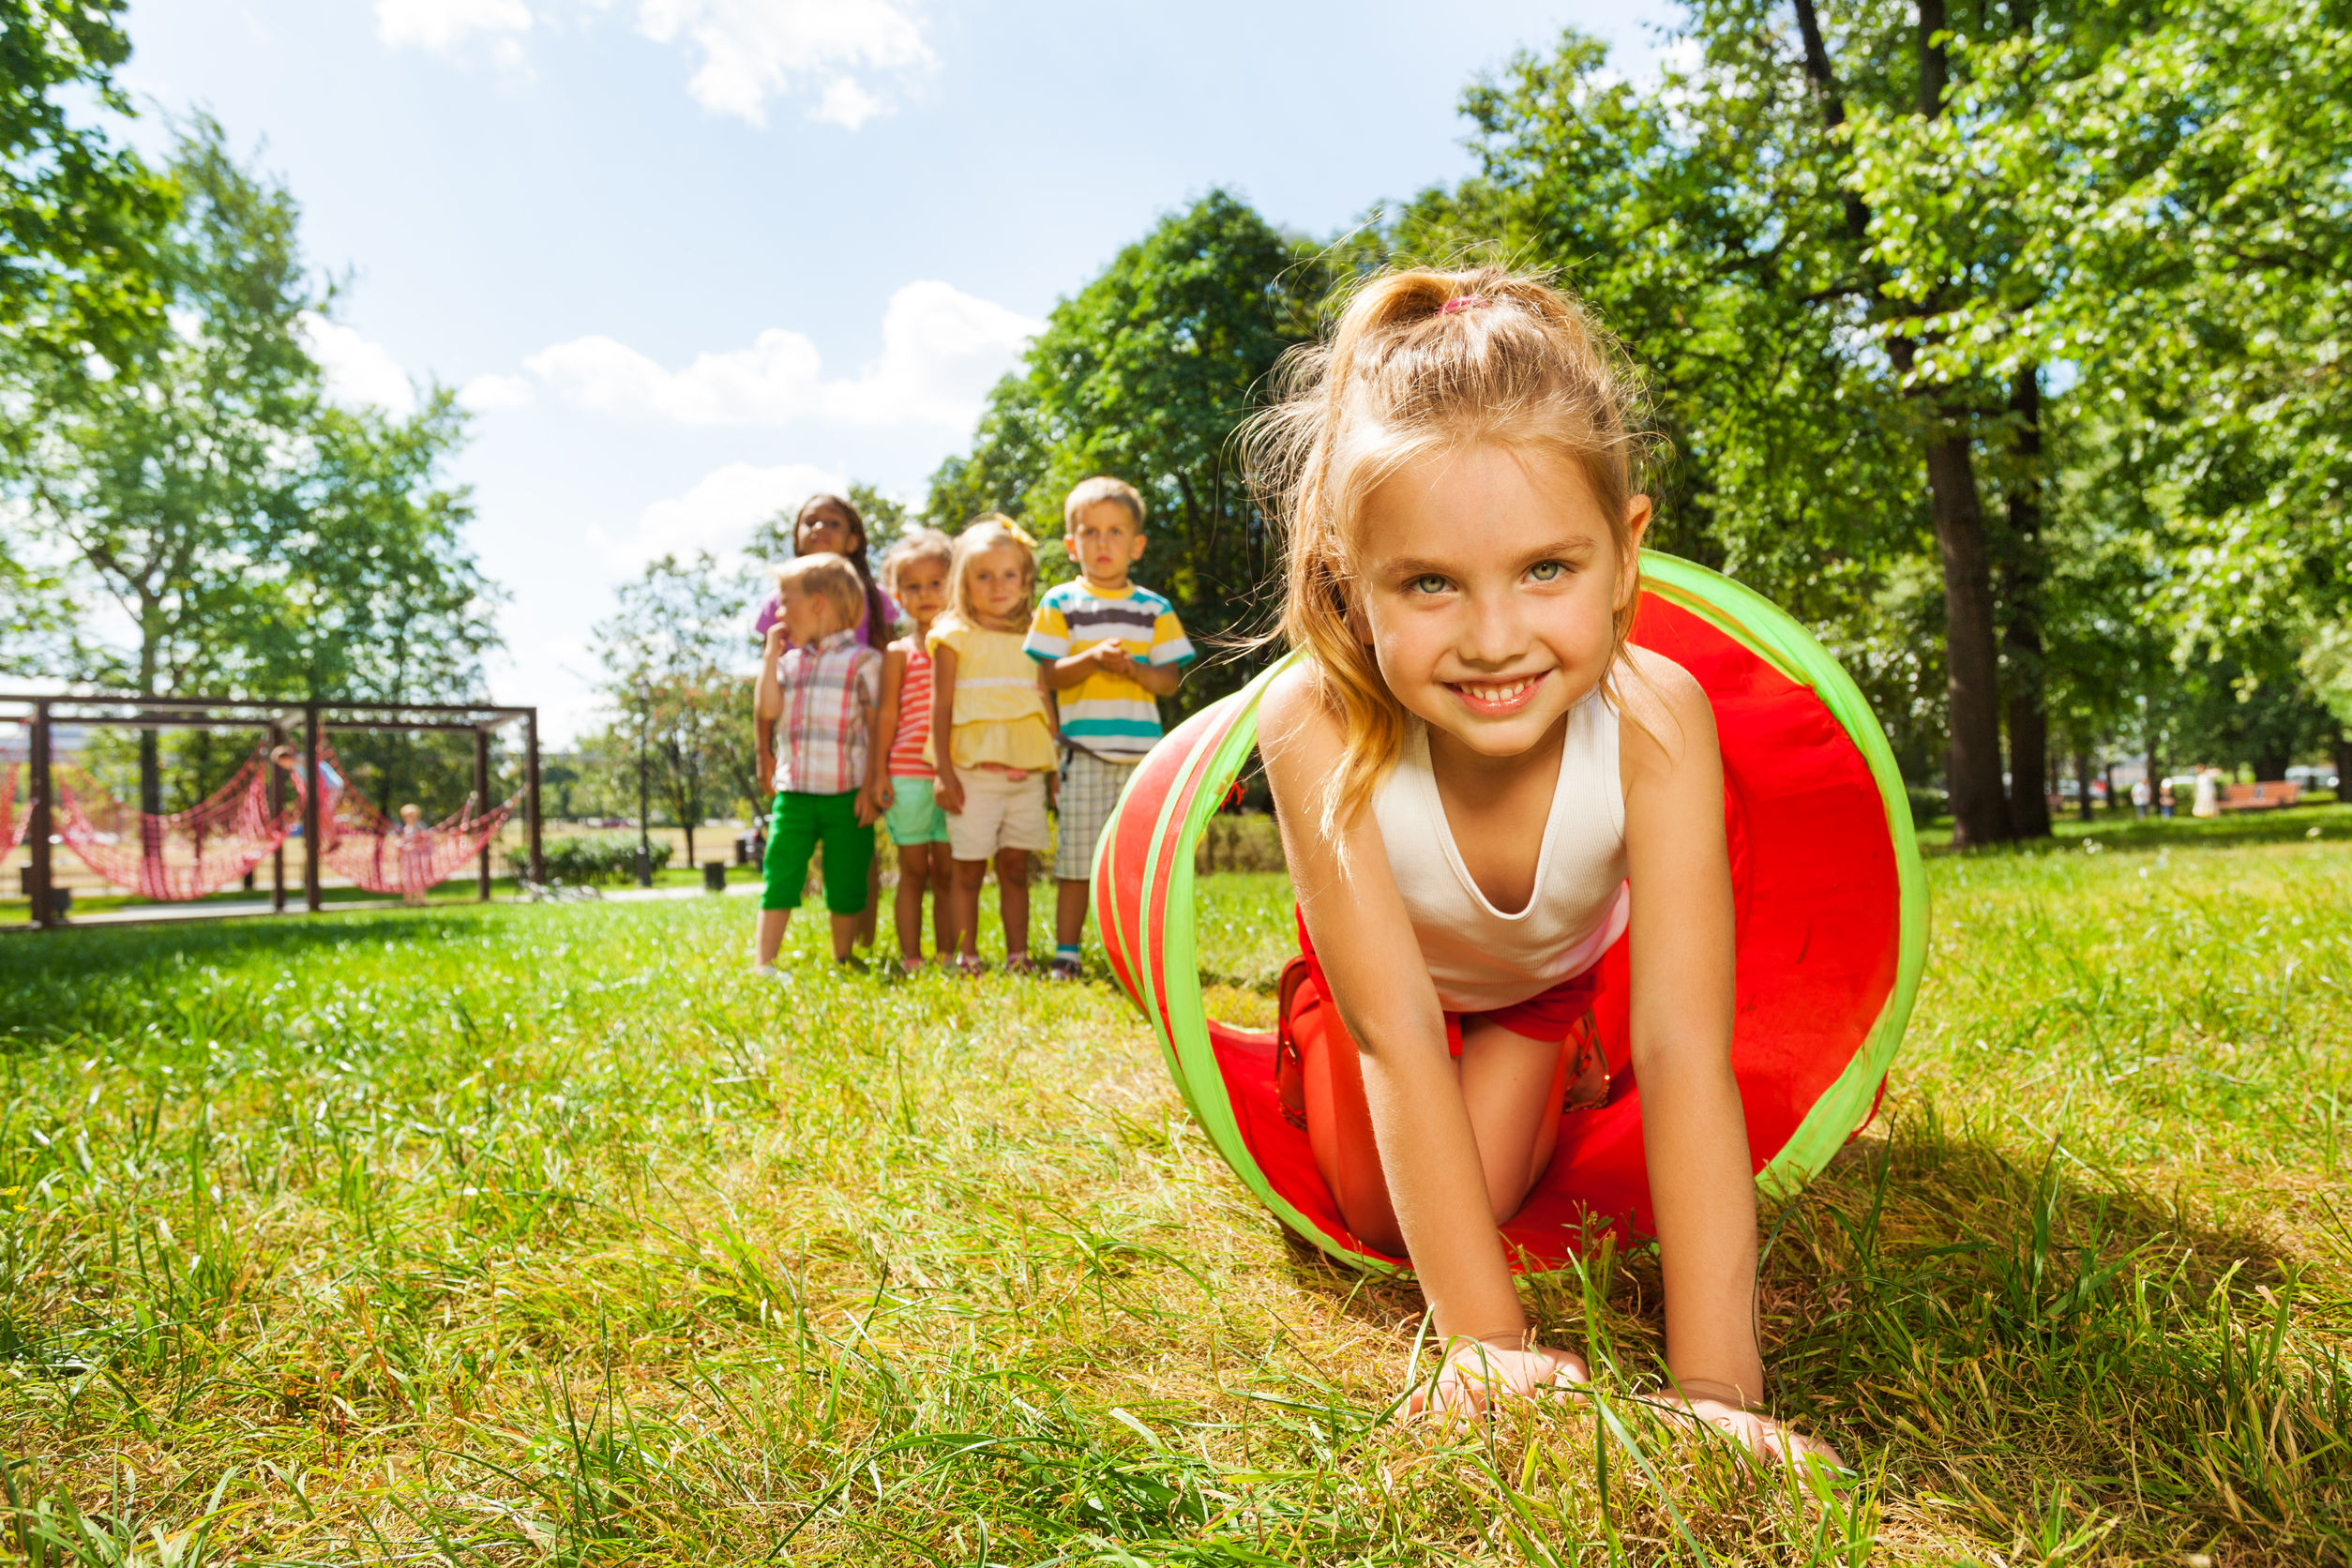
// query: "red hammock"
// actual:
[[181, 856], [378, 853]]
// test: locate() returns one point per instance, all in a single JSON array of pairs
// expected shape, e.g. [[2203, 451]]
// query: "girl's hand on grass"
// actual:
[[1477, 1375], [1758, 1433]]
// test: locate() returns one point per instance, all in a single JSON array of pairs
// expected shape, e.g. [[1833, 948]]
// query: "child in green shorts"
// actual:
[[821, 697], [915, 574]]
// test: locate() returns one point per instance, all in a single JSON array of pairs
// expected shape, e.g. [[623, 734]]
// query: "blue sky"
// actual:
[[690, 259]]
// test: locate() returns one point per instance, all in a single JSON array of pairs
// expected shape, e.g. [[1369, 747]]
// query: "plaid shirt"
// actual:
[[830, 693]]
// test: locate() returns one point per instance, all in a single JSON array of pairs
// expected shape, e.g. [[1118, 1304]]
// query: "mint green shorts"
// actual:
[[914, 817]]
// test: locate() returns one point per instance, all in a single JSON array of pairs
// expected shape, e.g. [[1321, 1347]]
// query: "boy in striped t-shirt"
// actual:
[[1110, 651]]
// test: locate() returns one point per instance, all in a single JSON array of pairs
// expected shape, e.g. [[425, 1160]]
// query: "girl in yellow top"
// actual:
[[990, 732]]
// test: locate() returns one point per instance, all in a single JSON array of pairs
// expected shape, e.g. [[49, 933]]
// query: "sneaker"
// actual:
[[972, 964], [763, 971], [1067, 969], [1020, 963], [910, 967]]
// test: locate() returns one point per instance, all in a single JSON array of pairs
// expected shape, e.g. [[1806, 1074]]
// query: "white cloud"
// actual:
[[487, 392], [941, 351], [850, 60], [443, 25], [358, 369], [721, 511], [752, 51]]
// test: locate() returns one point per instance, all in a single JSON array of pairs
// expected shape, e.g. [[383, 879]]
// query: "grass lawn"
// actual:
[[527, 1233]]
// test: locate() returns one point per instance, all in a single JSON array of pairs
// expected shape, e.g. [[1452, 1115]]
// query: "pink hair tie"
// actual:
[[1463, 302]]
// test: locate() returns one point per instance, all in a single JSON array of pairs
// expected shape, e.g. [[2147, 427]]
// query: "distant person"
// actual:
[[330, 790], [2140, 796], [818, 696], [415, 848], [2209, 797], [916, 572], [990, 735], [2163, 799], [1110, 651]]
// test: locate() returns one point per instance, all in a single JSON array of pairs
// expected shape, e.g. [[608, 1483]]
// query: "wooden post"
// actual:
[[481, 802], [311, 815], [36, 824], [533, 855], [277, 813]]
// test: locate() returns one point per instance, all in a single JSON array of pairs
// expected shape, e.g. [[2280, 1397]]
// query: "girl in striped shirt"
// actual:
[[915, 573]]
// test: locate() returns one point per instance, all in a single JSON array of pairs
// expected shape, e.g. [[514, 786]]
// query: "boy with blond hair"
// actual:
[[814, 712], [1109, 650]]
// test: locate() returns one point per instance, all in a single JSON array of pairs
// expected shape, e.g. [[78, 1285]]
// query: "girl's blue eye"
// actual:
[[1547, 571], [1430, 583]]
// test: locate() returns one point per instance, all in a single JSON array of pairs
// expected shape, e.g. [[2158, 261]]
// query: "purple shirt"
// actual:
[[892, 615]]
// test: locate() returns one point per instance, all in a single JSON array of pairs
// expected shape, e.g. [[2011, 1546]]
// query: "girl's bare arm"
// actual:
[[886, 717], [1702, 1187], [951, 790], [1381, 986]]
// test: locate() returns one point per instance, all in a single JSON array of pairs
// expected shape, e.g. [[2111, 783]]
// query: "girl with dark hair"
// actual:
[[829, 524]]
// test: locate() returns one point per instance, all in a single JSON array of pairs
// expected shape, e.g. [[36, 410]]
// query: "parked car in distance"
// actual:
[[2312, 778]]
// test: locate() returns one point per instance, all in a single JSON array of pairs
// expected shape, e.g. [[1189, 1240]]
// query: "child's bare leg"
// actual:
[[845, 931], [914, 875], [969, 874], [873, 902], [1507, 1085], [772, 924], [1069, 912], [943, 902], [1012, 891]]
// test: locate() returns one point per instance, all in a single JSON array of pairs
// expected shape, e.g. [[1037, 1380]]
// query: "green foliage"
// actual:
[[580, 860], [258, 539], [79, 217], [1145, 373], [672, 654]]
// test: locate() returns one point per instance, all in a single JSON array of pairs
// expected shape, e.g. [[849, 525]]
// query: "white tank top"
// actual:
[[1480, 958]]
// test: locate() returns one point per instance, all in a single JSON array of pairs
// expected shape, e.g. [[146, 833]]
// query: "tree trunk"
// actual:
[[2270, 765], [2081, 784], [2021, 636], [2343, 763], [1980, 809]]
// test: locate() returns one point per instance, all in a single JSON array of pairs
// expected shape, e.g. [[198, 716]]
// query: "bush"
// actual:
[[1238, 841], [1926, 804], [591, 857]]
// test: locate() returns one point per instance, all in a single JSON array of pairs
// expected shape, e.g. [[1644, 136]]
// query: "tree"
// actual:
[[1146, 373], [670, 655], [78, 215]]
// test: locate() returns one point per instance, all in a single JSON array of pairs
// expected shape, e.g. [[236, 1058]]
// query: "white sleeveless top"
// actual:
[[1480, 958]]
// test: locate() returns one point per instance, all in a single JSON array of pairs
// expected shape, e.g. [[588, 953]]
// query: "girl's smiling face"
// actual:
[[824, 529], [1488, 583], [995, 583]]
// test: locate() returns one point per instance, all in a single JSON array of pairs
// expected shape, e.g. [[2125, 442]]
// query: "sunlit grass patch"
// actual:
[[518, 1234]]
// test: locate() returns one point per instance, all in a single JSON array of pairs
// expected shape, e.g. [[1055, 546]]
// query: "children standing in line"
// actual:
[[1109, 650], [916, 573], [990, 735], [819, 695], [1480, 783]]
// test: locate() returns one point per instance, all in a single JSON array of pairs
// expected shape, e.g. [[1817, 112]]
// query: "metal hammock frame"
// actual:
[[30, 790]]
